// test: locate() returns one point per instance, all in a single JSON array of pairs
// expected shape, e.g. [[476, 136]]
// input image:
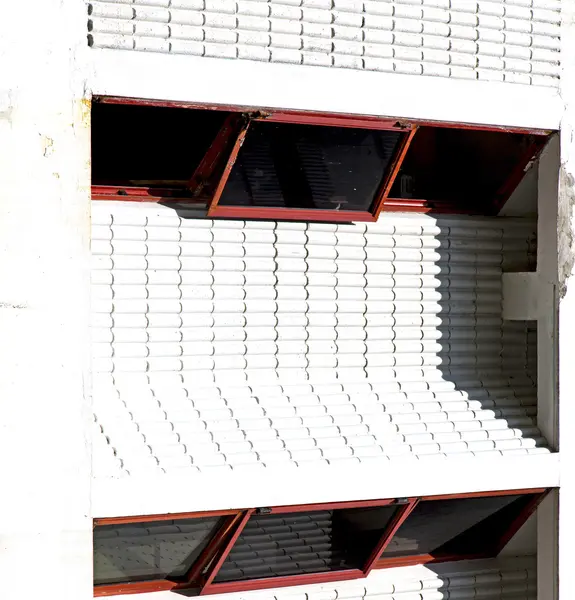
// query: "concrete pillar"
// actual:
[[547, 406], [566, 296], [45, 517]]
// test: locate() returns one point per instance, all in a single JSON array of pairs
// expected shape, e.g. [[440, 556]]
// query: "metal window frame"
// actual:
[[220, 146], [300, 214], [538, 496], [203, 572]]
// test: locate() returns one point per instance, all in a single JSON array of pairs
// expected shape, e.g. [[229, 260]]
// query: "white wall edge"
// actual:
[[306, 485], [184, 78]]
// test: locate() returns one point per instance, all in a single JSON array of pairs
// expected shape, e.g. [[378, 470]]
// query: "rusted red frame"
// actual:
[[400, 154], [332, 506], [239, 212], [210, 555], [514, 492], [241, 136], [143, 194], [286, 581], [426, 206], [277, 214], [204, 174], [163, 517], [331, 120], [392, 528], [192, 578], [513, 528], [403, 511], [203, 573], [293, 115], [209, 576]]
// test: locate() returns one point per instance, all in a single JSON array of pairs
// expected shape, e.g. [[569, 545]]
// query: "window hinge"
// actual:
[[263, 511], [258, 114]]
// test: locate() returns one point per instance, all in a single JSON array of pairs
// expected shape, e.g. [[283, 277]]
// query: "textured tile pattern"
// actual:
[[488, 580], [232, 344], [514, 40]]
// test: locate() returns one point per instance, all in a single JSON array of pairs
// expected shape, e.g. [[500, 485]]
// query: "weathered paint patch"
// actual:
[[565, 215]]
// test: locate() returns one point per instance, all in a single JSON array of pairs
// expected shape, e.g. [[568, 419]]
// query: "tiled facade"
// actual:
[[221, 344], [185, 380], [509, 41]]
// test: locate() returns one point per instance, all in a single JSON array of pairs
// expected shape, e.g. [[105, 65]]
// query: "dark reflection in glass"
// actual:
[[460, 526], [309, 167], [147, 551], [307, 542]]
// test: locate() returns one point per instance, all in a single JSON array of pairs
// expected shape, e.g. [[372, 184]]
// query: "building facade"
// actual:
[[286, 298]]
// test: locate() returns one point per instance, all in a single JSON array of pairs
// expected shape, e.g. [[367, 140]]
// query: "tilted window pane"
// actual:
[[146, 551], [307, 542], [309, 167], [434, 523]]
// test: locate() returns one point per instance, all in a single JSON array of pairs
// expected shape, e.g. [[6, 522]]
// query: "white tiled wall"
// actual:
[[513, 40], [223, 344]]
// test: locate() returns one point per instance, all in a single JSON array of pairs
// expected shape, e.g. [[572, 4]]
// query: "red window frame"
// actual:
[[228, 141], [203, 572], [242, 212]]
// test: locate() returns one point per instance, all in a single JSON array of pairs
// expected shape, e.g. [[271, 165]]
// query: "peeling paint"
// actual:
[[566, 211], [85, 108], [47, 145], [11, 305]]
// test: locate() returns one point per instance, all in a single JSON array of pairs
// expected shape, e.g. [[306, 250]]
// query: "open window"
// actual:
[[261, 548], [463, 170], [253, 164]]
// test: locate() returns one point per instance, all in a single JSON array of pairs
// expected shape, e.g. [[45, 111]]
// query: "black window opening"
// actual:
[[152, 148], [310, 167], [279, 545], [456, 527], [465, 170], [262, 548], [296, 166]]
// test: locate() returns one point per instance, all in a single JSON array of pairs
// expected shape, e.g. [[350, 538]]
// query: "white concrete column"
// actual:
[[566, 295], [546, 292], [45, 517], [547, 406]]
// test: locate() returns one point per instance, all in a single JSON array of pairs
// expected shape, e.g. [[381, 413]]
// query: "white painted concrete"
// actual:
[[523, 200], [547, 273], [45, 520], [491, 42], [524, 542], [566, 296], [547, 407], [172, 493], [249, 83]]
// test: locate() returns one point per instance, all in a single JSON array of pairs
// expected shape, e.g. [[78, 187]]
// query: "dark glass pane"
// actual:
[[147, 551], [309, 167], [435, 523], [310, 542], [149, 145], [460, 167]]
